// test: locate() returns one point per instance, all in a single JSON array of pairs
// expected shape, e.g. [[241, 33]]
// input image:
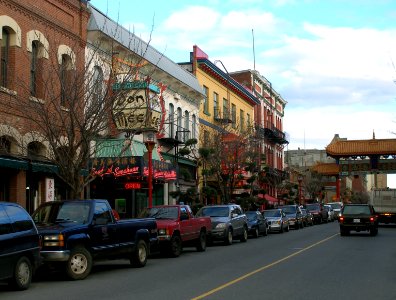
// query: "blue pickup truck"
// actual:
[[76, 232]]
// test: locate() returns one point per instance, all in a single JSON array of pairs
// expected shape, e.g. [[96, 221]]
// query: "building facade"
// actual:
[[36, 42], [125, 59]]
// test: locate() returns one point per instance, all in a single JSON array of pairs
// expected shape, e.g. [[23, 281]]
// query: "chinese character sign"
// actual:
[[49, 189]]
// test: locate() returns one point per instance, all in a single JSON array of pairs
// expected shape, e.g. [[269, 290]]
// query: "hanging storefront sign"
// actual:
[[49, 189], [138, 106]]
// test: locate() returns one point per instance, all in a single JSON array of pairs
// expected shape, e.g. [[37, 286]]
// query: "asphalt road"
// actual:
[[310, 263]]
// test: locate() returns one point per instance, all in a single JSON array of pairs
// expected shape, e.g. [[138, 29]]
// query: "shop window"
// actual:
[[4, 64]]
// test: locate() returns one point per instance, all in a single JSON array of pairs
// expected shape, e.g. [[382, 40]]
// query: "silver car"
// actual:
[[277, 220]]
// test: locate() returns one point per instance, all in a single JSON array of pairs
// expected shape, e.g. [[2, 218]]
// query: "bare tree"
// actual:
[[69, 101]]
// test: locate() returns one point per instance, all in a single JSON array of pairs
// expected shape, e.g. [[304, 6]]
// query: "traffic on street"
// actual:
[[314, 262]]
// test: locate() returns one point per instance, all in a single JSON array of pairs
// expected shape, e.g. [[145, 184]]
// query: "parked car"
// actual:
[[76, 232], [330, 212], [358, 217], [294, 215], [178, 227], [319, 213], [229, 222], [337, 206], [277, 220], [257, 224], [308, 219], [19, 246]]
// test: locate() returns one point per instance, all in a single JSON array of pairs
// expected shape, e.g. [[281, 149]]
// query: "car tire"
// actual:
[[201, 241], [23, 273], [139, 256], [265, 231], [79, 264], [244, 235], [175, 246], [373, 231], [228, 237], [256, 232]]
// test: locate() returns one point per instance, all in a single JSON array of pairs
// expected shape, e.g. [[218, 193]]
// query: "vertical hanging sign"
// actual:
[[49, 189]]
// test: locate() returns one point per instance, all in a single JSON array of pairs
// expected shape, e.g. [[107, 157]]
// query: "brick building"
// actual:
[[36, 38]]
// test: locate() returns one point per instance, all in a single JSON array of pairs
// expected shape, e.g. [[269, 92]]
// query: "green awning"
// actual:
[[44, 167], [181, 160], [13, 163], [116, 148]]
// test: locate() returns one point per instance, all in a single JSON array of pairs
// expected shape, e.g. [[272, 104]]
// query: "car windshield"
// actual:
[[272, 213], [356, 210], [314, 206], [214, 211], [289, 209], [170, 213], [251, 216], [335, 205], [65, 212]]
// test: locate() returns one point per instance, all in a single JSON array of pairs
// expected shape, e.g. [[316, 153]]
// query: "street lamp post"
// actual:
[[149, 141]]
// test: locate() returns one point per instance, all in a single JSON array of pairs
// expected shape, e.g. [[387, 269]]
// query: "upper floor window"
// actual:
[[233, 115], [5, 145], [206, 100], [242, 119], [171, 121], [5, 48], [216, 104], [226, 109], [248, 121], [179, 124], [34, 68], [186, 125], [194, 127], [66, 80]]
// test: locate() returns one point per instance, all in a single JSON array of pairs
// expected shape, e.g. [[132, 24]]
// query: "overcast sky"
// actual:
[[333, 61]]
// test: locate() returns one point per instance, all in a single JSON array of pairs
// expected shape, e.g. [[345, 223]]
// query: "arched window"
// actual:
[[5, 145], [34, 68], [65, 77], [186, 125], [5, 48], [179, 124], [171, 121], [36, 151]]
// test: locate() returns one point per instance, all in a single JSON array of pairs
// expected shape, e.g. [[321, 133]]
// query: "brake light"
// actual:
[[341, 219], [371, 219]]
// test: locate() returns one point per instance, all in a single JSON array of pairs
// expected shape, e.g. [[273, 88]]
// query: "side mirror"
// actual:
[[234, 215], [183, 217], [100, 221]]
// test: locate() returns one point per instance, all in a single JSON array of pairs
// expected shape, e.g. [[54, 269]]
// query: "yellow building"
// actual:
[[227, 106]]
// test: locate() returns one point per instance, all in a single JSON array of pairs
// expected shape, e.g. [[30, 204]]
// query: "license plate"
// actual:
[[356, 220]]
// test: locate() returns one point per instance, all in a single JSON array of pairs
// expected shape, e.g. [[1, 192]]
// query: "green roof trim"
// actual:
[[181, 160], [116, 148], [11, 163]]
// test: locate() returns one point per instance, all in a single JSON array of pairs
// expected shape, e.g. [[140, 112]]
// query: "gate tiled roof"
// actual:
[[345, 148]]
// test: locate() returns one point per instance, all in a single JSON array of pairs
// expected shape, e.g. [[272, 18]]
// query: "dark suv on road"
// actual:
[[19, 245], [228, 222], [358, 217], [318, 211]]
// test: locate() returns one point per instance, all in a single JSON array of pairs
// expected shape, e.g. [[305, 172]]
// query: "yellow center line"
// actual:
[[221, 287]]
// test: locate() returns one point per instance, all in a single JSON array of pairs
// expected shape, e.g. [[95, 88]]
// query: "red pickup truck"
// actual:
[[178, 227]]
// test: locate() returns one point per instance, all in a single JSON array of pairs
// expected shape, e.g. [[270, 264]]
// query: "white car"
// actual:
[[330, 212], [337, 206]]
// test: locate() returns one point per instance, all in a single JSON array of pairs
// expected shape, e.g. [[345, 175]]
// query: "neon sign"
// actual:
[[133, 185]]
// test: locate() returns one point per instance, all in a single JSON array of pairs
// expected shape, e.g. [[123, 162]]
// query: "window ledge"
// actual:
[[38, 100], [7, 91]]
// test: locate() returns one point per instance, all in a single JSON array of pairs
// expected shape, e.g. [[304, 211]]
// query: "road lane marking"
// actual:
[[221, 287]]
